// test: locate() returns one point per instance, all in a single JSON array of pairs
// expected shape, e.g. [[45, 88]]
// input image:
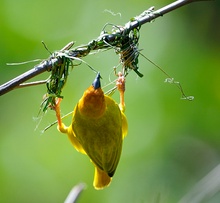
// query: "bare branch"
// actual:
[[74, 193], [42, 67]]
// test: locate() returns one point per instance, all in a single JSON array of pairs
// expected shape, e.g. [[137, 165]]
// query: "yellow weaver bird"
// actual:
[[98, 128]]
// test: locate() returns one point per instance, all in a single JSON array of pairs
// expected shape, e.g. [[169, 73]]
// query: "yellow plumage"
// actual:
[[98, 128]]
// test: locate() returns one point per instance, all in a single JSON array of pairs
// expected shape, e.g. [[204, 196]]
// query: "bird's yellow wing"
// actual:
[[101, 138], [98, 128]]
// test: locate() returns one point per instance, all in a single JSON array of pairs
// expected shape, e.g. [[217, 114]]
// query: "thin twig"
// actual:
[[74, 193], [42, 67], [40, 82], [204, 189], [47, 65]]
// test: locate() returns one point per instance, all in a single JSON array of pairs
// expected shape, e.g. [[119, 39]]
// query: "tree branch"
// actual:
[[74, 193], [104, 41]]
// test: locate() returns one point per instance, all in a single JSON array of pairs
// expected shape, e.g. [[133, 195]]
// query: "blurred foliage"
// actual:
[[171, 143]]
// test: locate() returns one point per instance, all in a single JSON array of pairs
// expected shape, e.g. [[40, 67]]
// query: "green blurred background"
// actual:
[[172, 143]]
